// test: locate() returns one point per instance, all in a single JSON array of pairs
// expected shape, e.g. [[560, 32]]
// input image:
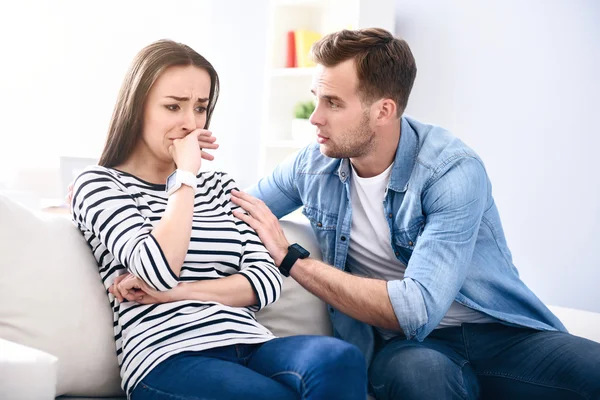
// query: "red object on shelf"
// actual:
[[290, 61]]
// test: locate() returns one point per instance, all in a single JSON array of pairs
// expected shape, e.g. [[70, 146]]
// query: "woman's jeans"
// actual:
[[487, 361], [295, 367]]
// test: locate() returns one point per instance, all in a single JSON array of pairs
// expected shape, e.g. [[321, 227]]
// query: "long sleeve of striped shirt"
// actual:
[[102, 205], [116, 213], [256, 263]]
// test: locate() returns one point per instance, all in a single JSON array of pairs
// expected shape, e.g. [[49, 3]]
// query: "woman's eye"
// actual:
[[201, 109], [172, 107]]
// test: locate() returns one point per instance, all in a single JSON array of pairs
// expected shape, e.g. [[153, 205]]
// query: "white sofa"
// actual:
[[56, 324]]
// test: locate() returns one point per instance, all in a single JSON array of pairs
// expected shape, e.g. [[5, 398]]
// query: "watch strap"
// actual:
[[295, 251]]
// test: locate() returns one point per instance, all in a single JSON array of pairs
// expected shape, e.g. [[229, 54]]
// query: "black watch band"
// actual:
[[295, 252]]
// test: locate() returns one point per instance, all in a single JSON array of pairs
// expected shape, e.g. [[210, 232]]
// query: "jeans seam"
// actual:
[[521, 379], [295, 374], [462, 383], [468, 360], [464, 336], [174, 396]]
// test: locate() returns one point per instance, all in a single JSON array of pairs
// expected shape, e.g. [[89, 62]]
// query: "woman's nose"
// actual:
[[189, 121]]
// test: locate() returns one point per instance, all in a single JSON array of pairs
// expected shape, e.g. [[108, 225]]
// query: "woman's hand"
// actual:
[[130, 287], [188, 152]]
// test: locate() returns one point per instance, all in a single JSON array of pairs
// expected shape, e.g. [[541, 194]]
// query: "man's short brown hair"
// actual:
[[384, 64]]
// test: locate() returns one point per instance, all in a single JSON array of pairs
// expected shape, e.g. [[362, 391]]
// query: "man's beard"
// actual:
[[356, 142]]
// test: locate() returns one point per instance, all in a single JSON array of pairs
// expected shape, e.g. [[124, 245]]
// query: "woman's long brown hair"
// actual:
[[126, 123]]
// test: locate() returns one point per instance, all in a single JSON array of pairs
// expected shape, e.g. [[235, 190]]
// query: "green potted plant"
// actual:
[[302, 130]]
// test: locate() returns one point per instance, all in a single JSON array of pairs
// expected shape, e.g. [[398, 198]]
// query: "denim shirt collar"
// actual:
[[406, 157]]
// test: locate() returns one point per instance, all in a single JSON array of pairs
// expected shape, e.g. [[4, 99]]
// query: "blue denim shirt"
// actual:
[[444, 226]]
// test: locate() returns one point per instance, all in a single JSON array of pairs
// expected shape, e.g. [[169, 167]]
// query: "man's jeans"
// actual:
[[296, 367], [487, 361]]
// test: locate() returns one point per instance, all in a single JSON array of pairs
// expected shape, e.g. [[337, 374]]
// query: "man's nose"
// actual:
[[316, 118]]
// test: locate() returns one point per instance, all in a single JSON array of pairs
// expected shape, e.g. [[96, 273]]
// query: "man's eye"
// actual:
[[332, 104], [172, 107], [201, 109]]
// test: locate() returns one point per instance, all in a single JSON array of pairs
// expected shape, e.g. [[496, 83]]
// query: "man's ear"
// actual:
[[384, 110]]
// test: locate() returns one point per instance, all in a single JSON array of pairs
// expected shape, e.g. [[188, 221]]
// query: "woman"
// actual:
[[193, 274]]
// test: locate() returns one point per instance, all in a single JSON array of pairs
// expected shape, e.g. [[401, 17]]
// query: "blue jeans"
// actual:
[[295, 367], [487, 361]]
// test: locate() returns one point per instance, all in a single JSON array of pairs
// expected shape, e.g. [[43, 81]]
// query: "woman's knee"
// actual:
[[339, 371]]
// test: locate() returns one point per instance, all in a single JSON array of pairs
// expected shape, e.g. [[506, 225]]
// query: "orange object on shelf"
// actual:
[[290, 61]]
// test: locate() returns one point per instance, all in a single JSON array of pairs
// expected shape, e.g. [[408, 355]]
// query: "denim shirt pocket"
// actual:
[[324, 226], [405, 240]]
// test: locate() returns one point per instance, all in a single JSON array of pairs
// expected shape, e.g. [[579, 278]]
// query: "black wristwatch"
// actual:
[[295, 252]]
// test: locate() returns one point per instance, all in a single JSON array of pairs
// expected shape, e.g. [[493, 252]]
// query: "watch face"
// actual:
[[171, 181], [303, 252]]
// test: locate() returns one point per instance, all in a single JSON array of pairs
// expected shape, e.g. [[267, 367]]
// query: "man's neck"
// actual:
[[382, 155]]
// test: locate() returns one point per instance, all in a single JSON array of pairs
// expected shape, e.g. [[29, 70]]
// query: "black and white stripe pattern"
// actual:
[[116, 213]]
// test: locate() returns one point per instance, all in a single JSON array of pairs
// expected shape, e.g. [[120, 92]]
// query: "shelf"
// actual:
[[285, 87], [283, 72]]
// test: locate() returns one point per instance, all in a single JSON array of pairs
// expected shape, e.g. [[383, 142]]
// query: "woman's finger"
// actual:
[[119, 278], [207, 145], [115, 293], [207, 156]]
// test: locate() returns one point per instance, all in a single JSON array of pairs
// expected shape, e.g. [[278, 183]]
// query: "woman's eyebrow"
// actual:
[[200, 99]]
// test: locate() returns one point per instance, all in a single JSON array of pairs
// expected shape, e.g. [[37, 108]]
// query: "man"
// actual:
[[416, 269]]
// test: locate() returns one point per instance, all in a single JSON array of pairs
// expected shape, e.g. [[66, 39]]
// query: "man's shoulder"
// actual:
[[438, 148], [310, 161]]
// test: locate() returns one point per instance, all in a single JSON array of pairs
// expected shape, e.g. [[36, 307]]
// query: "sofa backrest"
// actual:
[[52, 299]]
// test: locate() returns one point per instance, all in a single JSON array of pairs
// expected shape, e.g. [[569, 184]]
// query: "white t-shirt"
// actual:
[[370, 253]]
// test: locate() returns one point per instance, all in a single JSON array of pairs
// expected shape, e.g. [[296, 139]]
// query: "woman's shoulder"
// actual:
[[216, 181], [98, 173], [215, 176]]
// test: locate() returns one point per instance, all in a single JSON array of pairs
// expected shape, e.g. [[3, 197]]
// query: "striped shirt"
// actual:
[[116, 213]]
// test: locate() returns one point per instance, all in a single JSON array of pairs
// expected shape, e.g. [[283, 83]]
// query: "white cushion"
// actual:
[[297, 312], [579, 322], [51, 299], [26, 373]]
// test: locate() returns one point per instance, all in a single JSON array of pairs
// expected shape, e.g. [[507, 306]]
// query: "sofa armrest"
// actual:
[[26, 373]]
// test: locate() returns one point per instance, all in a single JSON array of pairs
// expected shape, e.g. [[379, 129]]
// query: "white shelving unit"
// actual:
[[285, 87]]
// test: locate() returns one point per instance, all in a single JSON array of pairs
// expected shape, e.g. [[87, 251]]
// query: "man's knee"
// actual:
[[416, 372]]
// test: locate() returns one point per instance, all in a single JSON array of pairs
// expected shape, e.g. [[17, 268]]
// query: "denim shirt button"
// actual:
[[391, 215], [319, 224], [343, 174], [343, 238], [397, 253], [410, 243]]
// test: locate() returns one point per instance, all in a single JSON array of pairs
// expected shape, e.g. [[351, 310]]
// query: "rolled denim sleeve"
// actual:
[[453, 203]]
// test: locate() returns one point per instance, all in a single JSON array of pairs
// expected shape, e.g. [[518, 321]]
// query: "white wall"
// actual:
[[63, 63], [519, 82]]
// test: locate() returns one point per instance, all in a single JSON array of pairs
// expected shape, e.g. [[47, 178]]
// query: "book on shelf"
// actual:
[[290, 60], [304, 41]]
